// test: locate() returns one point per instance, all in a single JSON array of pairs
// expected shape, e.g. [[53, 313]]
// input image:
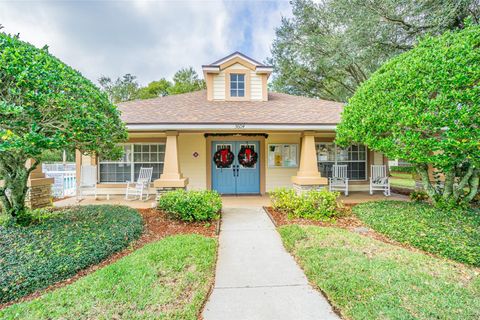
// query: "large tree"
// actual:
[[46, 105], [424, 106], [155, 89], [122, 89], [186, 80], [329, 47]]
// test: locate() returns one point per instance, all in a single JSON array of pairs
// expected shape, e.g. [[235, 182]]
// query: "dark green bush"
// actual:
[[453, 234], [314, 204], [191, 205], [418, 196], [58, 245], [402, 169]]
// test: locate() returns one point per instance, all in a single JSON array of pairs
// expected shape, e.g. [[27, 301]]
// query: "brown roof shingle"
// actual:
[[193, 107]]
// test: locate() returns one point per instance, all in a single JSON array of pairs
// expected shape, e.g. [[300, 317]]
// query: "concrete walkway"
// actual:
[[256, 278]]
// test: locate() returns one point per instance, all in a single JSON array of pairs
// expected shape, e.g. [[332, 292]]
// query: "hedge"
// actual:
[[191, 205], [38, 255], [402, 169]]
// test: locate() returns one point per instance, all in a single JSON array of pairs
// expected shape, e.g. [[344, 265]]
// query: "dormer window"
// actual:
[[237, 85]]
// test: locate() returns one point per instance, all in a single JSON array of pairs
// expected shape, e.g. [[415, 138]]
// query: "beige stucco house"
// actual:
[[289, 138]]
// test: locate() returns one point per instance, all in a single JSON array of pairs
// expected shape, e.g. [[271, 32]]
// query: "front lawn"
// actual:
[[369, 279], [453, 234], [167, 279], [60, 245]]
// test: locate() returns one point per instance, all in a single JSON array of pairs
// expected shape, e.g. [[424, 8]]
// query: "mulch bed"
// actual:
[[346, 220], [157, 225]]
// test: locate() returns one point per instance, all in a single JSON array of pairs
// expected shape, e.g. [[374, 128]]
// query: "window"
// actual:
[[237, 85], [282, 155], [355, 157], [128, 167]]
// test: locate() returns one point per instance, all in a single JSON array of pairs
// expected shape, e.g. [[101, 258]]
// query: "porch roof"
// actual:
[[194, 108]]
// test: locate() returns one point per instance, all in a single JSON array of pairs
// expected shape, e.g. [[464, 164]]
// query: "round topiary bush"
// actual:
[[61, 244]]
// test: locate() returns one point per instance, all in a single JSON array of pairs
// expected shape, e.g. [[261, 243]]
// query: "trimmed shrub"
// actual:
[[313, 204], [59, 245], [453, 234], [191, 205], [409, 169]]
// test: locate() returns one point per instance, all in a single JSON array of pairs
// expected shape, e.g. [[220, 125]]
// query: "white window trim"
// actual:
[[237, 82], [352, 161], [131, 162]]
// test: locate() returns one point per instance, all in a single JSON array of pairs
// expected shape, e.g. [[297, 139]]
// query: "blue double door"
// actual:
[[236, 179]]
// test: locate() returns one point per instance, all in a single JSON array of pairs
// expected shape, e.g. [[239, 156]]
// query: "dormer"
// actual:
[[236, 78]]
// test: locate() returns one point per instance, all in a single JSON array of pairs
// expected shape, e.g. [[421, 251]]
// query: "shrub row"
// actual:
[[57, 247], [409, 169], [313, 204], [191, 205]]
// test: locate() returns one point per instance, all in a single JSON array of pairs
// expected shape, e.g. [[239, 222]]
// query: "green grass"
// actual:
[[168, 279], [369, 279], [402, 180], [451, 234], [60, 244]]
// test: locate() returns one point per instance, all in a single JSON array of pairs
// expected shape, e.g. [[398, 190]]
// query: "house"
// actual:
[[235, 137]]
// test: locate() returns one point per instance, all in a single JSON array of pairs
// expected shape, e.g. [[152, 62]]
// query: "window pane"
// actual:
[[240, 93], [233, 77], [111, 172], [233, 93], [241, 85], [241, 77]]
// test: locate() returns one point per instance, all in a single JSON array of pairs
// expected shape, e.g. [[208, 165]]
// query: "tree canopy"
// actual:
[[122, 89], [330, 47], [47, 105], [127, 88], [424, 106]]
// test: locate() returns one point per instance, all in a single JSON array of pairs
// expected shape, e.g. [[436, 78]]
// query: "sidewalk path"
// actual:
[[256, 278]]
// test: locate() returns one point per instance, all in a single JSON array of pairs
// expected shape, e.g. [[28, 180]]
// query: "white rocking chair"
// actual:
[[339, 179], [379, 179], [141, 187], [88, 181]]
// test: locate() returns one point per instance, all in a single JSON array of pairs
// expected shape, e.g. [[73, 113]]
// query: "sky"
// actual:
[[149, 39]]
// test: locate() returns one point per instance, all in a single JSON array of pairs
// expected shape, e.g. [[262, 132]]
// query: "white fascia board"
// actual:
[[237, 56], [238, 126], [211, 69], [264, 69]]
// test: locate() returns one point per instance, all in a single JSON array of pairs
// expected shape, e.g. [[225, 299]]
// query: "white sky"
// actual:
[[149, 39]]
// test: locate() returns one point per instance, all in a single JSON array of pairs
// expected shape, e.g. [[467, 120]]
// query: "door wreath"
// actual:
[[247, 156], [223, 158]]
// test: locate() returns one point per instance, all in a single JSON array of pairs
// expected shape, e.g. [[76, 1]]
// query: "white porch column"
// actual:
[[171, 176], [308, 174]]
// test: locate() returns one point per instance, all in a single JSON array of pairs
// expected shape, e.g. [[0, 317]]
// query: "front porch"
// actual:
[[355, 197]]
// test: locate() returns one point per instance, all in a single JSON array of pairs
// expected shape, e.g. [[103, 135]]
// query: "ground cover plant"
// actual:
[[313, 204], [167, 279], [453, 234], [369, 279], [184, 205], [57, 245]]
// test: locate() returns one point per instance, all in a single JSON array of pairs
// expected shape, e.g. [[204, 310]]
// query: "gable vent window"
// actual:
[[237, 85]]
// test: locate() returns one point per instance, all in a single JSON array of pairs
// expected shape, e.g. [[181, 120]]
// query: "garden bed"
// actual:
[[61, 244], [454, 234], [166, 279], [369, 279], [157, 225]]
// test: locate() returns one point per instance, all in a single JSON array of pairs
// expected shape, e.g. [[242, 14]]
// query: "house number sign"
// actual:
[[240, 126]]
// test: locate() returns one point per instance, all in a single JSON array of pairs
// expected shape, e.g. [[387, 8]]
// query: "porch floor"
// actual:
[[354, 197]]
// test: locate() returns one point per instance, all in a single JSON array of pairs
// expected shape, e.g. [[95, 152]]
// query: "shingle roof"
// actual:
[[193, 108]]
